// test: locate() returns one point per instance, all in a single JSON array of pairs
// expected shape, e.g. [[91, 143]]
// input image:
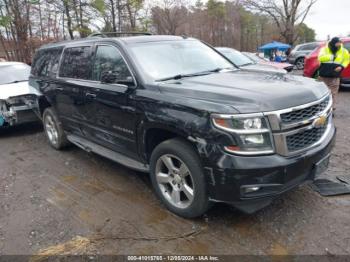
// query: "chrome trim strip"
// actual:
[[296, 108], [249, 153]]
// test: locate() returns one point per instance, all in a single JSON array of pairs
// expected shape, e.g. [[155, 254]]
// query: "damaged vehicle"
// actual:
[[18, 101], [173, 106]]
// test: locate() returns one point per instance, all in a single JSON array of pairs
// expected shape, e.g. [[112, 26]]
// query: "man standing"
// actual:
[[334, 58]]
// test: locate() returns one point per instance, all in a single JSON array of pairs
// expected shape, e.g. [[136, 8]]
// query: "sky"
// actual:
[[330, 17]]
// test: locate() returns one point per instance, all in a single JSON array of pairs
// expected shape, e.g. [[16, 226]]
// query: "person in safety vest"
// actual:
[[334, 58]]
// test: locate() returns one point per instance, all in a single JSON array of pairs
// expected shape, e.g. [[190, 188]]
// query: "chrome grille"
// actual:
[[305, 139], [305, 113], [294, 129]]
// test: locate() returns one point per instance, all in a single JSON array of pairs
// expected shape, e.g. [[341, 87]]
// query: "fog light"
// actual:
[[251, 189]]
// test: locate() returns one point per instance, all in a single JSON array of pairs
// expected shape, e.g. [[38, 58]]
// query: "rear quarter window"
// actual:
[[76, 63], [46, 62]]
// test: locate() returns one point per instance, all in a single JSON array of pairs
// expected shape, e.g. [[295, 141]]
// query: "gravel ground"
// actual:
[[74, 202]]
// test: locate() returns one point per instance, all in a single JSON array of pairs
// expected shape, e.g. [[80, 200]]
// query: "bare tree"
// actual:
[[287, 14], [168, 17]]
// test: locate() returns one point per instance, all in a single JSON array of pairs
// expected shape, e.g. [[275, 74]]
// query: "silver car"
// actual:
[[298, 54], [18, 100]]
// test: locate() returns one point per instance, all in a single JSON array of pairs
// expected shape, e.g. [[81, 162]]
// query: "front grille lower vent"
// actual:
[[305, 139]]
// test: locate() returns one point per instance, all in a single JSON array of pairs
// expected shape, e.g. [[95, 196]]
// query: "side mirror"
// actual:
[[128, 81], [111, 77], [108, 77]]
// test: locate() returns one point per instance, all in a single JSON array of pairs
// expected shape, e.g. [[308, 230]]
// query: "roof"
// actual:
[[309, 43], [126, 40]]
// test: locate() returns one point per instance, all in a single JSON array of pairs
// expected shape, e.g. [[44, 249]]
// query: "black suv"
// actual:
[[174, 107]]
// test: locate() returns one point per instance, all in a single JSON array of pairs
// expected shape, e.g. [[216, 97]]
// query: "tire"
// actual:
[[54, 130], [299, 63], [173, 187]]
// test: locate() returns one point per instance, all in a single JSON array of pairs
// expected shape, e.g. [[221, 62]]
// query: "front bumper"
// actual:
[[345, 82], [274, 174], [18, 115]]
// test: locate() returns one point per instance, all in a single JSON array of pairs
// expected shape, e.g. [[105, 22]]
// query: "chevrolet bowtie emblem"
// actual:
[[320, 121]]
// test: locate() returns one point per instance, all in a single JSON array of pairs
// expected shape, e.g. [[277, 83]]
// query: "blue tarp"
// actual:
[[275, 45]]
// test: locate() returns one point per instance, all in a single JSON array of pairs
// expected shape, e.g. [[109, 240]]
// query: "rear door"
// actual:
[[109, 117], [74, 74]]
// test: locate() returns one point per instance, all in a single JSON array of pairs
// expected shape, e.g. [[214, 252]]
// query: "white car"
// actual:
[[18, 100]]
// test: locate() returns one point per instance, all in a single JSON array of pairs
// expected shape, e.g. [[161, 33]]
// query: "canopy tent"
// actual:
[[275, 45]]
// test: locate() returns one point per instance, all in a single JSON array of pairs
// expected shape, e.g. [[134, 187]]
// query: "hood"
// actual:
[[263, 68], [16, 89], [246, 92]]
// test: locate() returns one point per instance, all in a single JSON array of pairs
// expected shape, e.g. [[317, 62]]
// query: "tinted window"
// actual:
[[46, 62], [109, 60], [76, 63]]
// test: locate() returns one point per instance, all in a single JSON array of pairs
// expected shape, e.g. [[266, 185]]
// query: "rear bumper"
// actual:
[[273, 174], [345, 82]]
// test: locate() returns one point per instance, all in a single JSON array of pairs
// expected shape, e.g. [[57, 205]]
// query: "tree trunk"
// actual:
[[69, 19]]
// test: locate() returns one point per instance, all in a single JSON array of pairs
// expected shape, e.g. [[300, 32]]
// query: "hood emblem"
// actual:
[[320, 121]]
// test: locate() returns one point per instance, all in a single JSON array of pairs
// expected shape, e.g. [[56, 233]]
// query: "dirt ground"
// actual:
[[74, 202]]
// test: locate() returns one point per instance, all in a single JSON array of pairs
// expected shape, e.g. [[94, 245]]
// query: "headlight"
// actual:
[[251, 131]]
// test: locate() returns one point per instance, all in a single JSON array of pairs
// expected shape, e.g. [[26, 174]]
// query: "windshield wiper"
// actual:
[[246, 64], [180, 76]]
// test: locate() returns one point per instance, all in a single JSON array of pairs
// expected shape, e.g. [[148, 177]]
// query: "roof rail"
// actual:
[[107, 34]]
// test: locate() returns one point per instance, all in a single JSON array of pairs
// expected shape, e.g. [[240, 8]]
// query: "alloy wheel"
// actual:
[[51, 129], [300, 64], [175, 181]]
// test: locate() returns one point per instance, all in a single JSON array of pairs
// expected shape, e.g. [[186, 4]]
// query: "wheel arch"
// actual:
[[152, 135], [43, 103]]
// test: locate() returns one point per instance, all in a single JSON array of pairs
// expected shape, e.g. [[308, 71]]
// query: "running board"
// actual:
[[107, 153]]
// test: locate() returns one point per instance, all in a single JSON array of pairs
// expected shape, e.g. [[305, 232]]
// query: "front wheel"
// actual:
[[54, 130], [300, 63], [177, 178]]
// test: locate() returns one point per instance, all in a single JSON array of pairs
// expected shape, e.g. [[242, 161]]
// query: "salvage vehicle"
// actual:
[[257, 59], [247, 64], [18, 101], [174, 107]]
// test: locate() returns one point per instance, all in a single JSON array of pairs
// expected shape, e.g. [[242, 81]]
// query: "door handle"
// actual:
[[59, 88], [91, 95]]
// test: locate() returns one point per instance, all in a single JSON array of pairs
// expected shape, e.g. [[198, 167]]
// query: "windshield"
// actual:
[[166, 59], [14, 73], [235, 57]]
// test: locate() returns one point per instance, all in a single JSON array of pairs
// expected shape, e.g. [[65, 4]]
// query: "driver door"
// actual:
[[110, 119]]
